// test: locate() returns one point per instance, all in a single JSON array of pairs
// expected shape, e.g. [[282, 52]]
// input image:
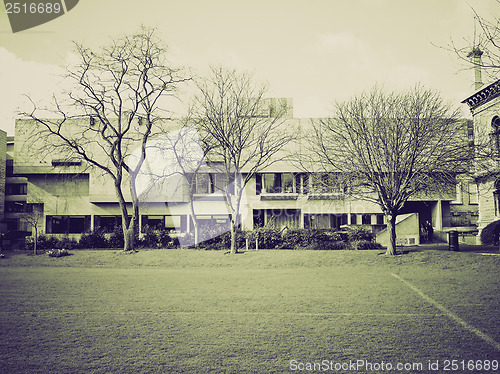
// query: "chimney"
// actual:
[[475, 55]]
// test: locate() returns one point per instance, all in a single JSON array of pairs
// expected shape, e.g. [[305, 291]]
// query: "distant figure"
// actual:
[[424, 233], [430, 230]]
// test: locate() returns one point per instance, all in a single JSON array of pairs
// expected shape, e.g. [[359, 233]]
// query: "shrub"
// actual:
[[94, 239], [47, 242], [56, 252], [358, 233], [364, 244], [489, 235], [332, 246], [154, 238], [223, 241], [43, 242], [67, 243], [116, 240], [269, 238]]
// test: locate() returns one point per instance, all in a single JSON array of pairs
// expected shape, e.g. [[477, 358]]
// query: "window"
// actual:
[[107, 223], [380, 219], [353, 219], [458, 194], [66, 162], [278, 183], [208, 183], [203, 183], [495, 135], [167, 222], [325, 183], [324, 221], [366, 219], [67, 224], [280, 218], [9, 168], [473, 194], [16, 189], [14, 207]]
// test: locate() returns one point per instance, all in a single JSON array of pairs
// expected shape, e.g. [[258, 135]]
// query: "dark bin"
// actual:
[[453, 241]]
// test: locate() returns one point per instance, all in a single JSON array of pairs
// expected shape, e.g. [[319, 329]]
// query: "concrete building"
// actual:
[[71, 198]]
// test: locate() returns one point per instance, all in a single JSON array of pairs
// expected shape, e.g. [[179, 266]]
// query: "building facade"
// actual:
[[484, 105], [68, 198]]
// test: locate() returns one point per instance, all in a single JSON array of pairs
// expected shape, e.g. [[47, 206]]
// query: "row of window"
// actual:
[[291, 219], [271, 183], [62, 224], [300, 183]]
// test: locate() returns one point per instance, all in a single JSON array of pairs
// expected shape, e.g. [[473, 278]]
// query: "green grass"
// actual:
[[169, 311]]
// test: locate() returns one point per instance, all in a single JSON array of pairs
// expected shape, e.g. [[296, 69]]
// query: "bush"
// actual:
[[154, 238], [67, 243], [365, 244], [116, 240], [223, 241], [94, 239], [358, 233], [332, 246], [269, 238], [47, 242], [489, 235], [58, 252], [43, 242]]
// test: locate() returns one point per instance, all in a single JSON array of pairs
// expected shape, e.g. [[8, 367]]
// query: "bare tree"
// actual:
[[242, 131], [482, 50], [387, 147], [117, 94], [32, 216]]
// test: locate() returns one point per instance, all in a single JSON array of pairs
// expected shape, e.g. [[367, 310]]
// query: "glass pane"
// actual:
[[287, 181], [202, 183]]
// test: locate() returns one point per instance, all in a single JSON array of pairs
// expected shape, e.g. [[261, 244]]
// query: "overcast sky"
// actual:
[[314, 51]]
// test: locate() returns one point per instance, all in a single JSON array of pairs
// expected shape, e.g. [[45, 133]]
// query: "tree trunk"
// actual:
[[128, 237], [196, 232], [391, 230], [34, 242], [233, 237]]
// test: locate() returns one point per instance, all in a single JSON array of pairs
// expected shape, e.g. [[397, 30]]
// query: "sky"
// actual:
[[315, 51]]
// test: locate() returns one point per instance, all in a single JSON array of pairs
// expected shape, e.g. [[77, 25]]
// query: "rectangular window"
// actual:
[[353, 219], [473, 194], [325, 183], [14, 206], [76, 225], [271, 182], [203, 183], [16, 189], [458, 194], [173, 222], [278, 182], [107, 223], [366, 219], [380, 219], [220, 182], [66, 163], [67, 224], [323, 221], [280, 218]]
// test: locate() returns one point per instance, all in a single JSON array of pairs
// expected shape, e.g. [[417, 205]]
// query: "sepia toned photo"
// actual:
[[249, 186]]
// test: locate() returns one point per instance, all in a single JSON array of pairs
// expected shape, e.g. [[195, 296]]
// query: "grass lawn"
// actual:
[[173, 311]]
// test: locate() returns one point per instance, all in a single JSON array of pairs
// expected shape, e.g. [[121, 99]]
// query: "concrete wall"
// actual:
[[407, 231]]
